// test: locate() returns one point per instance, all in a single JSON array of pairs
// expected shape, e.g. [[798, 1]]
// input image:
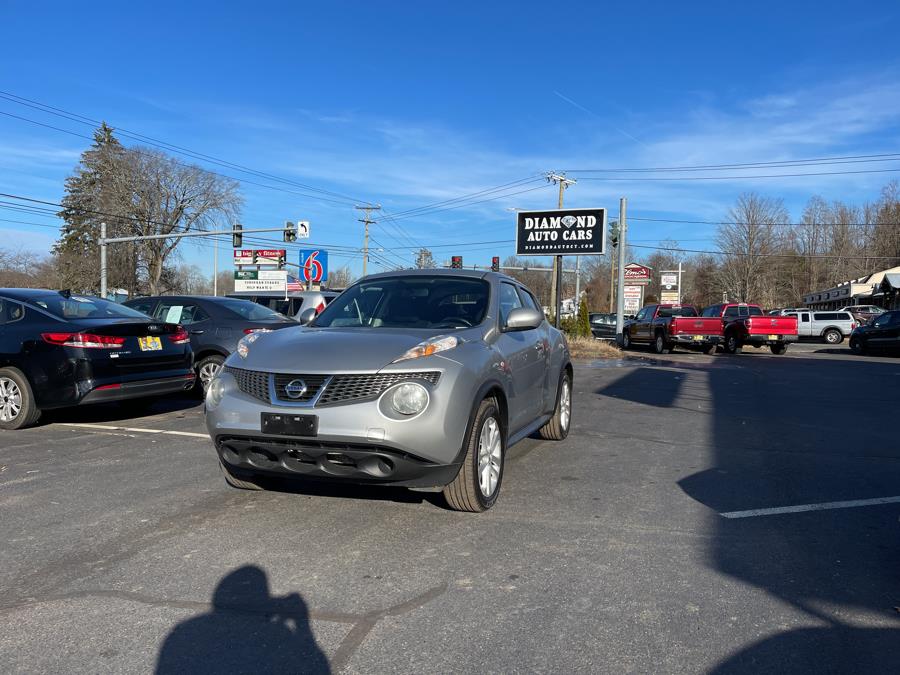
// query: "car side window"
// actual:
[[882, 320], [509, 300], [143, 306], [528, 300], [10, 311], [183, 313], [732, 311]]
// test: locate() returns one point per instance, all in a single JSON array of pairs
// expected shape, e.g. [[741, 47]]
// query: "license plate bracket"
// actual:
[[288, 424], [151, 343]]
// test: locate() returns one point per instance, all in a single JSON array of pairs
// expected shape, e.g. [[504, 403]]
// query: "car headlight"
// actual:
[[243, 347], [409, 398], [214, 393], [429, 347]]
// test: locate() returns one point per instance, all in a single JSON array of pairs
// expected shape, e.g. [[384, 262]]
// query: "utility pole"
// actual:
[[216, 266], [612, 283], [620, 286], [103, 271], [556, 281], [368, 221]]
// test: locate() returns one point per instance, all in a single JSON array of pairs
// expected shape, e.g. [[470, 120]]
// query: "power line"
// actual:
[[497, 188], [768, 255], [459, 206], [774, 175], [846, 159]]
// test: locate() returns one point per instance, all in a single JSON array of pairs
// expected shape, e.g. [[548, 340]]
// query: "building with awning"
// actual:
[[878, 288]]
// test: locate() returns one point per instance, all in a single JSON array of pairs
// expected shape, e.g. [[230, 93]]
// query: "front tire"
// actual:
[[558, 426], [833, 337], [17, 406], [477, 485]]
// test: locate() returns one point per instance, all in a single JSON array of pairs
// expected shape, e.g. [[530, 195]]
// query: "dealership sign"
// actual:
[[265, 281], [637, 274], [633, 297], [561, 232]]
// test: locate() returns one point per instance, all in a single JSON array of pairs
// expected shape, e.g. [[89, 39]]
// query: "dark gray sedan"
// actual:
[[420, 379]]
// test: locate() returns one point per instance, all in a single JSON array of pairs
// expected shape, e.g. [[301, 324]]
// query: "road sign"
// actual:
[[314, 264], [561, 232], [302, 229], [266, 280]]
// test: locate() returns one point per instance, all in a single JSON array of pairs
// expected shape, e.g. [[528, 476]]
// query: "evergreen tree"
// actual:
[[92, 196]]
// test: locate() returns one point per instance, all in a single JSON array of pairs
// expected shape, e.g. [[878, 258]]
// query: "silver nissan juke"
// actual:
[[420, 378]]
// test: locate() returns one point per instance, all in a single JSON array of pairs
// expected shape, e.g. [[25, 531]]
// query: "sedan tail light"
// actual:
[[84, 340], [180, 336], [320, 307]]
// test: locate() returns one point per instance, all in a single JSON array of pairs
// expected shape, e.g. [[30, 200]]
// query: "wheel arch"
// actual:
[[209, 351]]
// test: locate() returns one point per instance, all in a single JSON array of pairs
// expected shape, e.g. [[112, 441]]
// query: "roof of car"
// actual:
[[28, 293], [210, 298], [472, 274]]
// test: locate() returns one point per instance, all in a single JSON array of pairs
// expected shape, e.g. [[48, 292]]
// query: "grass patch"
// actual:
[[591, 348]]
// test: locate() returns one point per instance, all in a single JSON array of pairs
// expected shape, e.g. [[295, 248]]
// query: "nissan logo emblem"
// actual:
[[295, 389]]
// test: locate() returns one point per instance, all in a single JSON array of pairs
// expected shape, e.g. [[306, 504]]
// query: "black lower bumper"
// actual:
[[126, 390], [325, 460], [762, 340], [698, 340]]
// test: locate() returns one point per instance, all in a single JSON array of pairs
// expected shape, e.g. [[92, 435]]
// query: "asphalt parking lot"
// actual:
[[706, 514]]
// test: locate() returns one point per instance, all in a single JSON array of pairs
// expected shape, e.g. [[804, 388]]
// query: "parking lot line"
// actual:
[[824, 506], [105, 427]]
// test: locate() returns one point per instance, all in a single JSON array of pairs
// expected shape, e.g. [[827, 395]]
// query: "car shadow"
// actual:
[[349, 491], [118, 411], [246, 630]]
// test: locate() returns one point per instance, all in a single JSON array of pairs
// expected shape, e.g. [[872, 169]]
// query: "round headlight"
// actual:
[[409, 398], [214, 393]]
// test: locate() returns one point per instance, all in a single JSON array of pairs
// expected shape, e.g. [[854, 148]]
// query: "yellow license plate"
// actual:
[[150, 343], [698, 338], [773, 337]]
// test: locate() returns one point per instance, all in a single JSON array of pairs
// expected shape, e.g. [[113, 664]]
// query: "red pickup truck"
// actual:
[[664, 326], [743, 324]]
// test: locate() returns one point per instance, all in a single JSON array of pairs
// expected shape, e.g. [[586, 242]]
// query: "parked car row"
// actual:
[[729, 325]]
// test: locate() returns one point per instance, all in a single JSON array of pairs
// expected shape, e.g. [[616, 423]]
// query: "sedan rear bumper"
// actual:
[[137, 389], [334, 461]]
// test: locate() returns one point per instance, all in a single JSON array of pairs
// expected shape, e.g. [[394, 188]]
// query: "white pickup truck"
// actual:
[[831, 327]]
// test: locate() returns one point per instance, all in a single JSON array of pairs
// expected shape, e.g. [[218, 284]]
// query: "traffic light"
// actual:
[[495, 263], [290, 232], [456, 262], [237, 239], [614, 233]]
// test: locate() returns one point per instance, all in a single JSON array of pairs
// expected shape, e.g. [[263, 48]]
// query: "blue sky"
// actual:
[[407, 104]]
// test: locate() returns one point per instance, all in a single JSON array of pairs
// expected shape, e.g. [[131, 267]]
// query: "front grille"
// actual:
[[251, 382], [313, 384], [340, 388], [346, 388]]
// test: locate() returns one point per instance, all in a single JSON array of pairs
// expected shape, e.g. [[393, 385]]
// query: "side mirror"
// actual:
[[306, 316], [523, 318]]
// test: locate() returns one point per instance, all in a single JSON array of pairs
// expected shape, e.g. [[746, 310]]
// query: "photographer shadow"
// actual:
[[246, 631]]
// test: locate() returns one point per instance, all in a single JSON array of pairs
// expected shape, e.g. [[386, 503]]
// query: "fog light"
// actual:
[[214, 394], [409, 398]]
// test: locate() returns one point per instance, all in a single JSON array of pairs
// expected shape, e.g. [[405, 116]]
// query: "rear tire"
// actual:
[[778, 349], [732, 345], [857, 346], [833, 337], [235, 482], [660, 346], [477, 485], [17, 407], [626, 340], [558, 426]]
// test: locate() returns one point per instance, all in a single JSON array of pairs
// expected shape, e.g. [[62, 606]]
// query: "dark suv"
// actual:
[[215, 325], [881, 333]]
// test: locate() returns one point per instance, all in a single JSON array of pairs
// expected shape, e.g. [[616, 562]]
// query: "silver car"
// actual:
[[420, 378]]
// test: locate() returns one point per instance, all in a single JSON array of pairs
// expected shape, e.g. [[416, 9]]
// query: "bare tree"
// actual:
[[340, 278], [750, 240]]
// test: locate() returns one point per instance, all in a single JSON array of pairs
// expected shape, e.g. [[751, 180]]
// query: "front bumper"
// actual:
[[316, 459]]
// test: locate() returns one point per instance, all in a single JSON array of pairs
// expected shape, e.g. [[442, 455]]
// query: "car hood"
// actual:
[[329, 350]]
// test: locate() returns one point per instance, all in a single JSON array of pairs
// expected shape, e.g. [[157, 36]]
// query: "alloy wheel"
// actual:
[[207, 373], [490, 449], [565, 404], [10, 400]]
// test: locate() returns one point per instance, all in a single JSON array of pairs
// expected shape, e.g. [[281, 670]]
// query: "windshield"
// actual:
[[252, 311], [409, 302], [85, 307]]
